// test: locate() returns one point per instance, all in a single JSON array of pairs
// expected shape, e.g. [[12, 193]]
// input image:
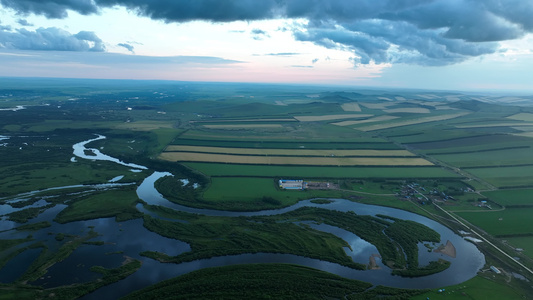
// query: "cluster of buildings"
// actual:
[[298, 184]]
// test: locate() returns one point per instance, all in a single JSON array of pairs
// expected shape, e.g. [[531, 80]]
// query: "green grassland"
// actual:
[[140, 119], [295, 144], [506, 177], [42, 161], [506, 157], [524, 242], [212, 169], [237, 189], [266, 281], [505, 222], [311, 132], [518, 197], [477, 288], [472, 143], [112, 203]]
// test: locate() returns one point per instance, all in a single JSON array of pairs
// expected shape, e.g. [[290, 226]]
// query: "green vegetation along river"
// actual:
[[130, 238]]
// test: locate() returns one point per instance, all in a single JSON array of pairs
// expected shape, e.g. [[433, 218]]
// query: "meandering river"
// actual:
[[130, 238]]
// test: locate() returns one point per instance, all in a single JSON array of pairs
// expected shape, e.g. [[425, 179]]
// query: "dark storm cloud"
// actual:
[[127, 46], [50, 39], [55, 9], [380, 42], [24, 22], [427, 32]]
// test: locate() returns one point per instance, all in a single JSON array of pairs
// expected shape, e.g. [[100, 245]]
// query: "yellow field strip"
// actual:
[[444, 107], [238, 126], [291, 152], [413, 110], [245, 120], [411, 122], [351, 106], [330, 117], [376, 119], [291, 160]]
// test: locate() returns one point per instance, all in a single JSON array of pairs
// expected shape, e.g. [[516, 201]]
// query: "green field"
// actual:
[[296, 144], [507, 157], [474, 146], [505, 176], [511, 197], [237, 189], [472, 143], [321, 172], [506, 222], [525, 243], [477, 288]]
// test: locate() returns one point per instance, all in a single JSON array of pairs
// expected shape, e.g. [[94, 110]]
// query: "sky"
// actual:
[[429, 44]]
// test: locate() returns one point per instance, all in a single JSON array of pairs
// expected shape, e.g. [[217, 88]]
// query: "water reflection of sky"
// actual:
[[465, 266], [360, 250], [79, 150], [131, 238]]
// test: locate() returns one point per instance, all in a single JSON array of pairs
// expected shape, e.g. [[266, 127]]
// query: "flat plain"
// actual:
[[417, 151]]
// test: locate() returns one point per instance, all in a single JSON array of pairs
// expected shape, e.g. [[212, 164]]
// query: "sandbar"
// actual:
[[448, 249]]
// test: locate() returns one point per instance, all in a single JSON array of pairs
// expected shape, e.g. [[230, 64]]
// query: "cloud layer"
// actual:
[[50, 39], [425, 32]]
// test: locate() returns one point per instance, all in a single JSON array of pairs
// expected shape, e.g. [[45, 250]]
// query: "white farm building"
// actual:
[[292, 184]]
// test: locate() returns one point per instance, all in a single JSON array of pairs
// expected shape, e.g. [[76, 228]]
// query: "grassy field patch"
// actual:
[[288, 152], [353, 106], [242, 126], [145, 125], [411, 110], [526, 117], [330, 117], [505, 222], [114, 203], [477, 288], [320, 172], [524, 242], [506, 124], [511, 197], [371, 120], [505, 176], [238, 189], [502, 157], [411, 122]]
